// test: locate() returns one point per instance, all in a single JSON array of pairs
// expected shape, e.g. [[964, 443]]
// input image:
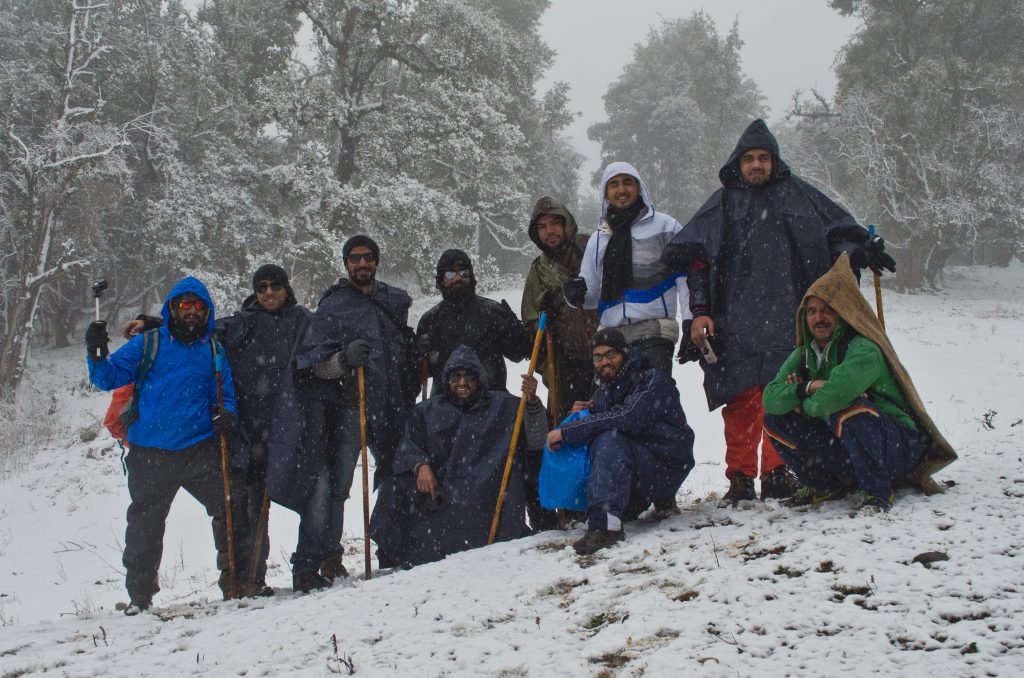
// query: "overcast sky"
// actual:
[[789, 45]]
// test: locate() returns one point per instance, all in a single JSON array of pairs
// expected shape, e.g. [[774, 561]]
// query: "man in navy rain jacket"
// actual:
[[175, 440], [641, 448]]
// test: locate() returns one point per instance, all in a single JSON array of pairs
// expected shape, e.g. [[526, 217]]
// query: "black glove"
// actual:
[[688, 352], [575, 290], [96, 339], [357, 352], [223, 422], [871, 254]]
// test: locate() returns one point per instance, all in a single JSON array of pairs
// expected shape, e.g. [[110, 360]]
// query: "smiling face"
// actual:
[[821, 319], [361, 267], [270, 295], [607, 362], [622, 190], [551, 230], [756, 166], [463, 383]]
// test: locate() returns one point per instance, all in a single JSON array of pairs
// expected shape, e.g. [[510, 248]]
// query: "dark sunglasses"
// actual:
[[452, 275], [356, 257], [610, 354], [263, 287], [468, 377], [189, 304]]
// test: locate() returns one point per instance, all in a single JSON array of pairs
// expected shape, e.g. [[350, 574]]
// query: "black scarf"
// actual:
[[617, 276]]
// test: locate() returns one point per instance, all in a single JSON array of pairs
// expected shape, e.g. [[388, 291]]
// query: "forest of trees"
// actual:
[[146, 139]]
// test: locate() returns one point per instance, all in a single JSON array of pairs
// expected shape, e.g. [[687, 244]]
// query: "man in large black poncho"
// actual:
[[449, 467], [750, 252]]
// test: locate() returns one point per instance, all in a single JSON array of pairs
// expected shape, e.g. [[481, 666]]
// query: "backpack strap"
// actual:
[[150, 346]]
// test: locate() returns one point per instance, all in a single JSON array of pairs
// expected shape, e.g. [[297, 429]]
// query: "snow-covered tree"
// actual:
[[677, 110], [62, 164]]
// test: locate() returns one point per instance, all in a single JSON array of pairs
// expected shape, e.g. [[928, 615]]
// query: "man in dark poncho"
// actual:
[[463, 317], [449, 467], [750, 252], [641, 448], [360, 322]]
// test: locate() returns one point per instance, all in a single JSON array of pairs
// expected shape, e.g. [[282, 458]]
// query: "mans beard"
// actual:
[[187, 333]]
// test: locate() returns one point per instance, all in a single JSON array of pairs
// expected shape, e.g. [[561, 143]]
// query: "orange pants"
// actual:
[[743, 432]]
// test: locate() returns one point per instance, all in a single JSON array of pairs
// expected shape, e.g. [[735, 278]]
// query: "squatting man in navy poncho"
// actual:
[[641, 448], [449, 467], [749, 253], [174, 441]]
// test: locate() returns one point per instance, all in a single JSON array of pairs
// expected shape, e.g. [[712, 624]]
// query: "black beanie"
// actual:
[[271, 272], [610, 337], [448, 259], [360, 241]]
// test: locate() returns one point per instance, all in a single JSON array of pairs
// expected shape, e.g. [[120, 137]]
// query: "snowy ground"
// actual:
[[762, 590]]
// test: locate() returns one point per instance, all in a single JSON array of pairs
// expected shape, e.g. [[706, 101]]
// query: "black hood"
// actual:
[[463, 358], [757, 135], [445, 262]]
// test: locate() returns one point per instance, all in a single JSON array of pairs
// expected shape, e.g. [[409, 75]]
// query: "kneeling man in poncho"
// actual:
[[842, 410], [449, 467]]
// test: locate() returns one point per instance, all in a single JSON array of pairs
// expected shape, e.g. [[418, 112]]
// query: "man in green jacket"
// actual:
[[837, 413]]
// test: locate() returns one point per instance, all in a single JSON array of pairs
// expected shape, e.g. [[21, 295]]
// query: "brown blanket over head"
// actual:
[[840, 290]]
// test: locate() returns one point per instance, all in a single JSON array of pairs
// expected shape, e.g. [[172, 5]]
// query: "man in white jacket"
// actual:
[[621, 274]]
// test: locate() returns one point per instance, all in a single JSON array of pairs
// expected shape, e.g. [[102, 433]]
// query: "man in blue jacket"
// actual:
[[174, 442], [641, 448]]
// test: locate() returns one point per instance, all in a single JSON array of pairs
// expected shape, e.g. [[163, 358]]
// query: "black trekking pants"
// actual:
[[154, 476]]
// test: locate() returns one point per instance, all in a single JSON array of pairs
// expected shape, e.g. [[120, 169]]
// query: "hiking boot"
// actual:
[[873, 504], [665, 508], [137, 607], [331, 568], [779, 483], [741, 488], [595, 540], [307, 581]]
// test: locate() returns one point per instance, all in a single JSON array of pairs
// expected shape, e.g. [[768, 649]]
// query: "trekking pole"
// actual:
[[261, 532], [366, 473], [584, 324], [224, 470], [97, 291], [878, 286], [542, 325]]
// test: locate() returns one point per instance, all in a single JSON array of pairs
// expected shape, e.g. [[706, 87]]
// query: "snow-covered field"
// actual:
[[761, 590]]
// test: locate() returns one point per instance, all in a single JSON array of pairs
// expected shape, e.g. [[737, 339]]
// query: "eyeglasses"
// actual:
[[452, 275], [263, 287], [190, 304], [610, 354], [356, 257], [468, 377]]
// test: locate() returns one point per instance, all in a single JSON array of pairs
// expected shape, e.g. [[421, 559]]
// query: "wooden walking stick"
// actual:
[[552, 375], [542, 324], [261, 533], [366, 473], [218, 366], [878, 286]]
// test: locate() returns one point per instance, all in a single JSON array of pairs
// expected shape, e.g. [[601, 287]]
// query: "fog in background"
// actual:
[[788, 45]]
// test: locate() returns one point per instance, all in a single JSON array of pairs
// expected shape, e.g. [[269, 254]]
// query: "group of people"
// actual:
[[842, 413]]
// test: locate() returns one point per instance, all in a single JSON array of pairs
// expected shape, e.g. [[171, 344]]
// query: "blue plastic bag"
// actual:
[[563, 474]]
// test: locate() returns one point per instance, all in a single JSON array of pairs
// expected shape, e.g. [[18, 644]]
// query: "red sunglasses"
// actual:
[[189, 304]]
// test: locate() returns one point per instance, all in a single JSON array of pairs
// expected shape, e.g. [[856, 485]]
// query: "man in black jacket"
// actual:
[[359, 322], [750, 252], [491, 329]]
